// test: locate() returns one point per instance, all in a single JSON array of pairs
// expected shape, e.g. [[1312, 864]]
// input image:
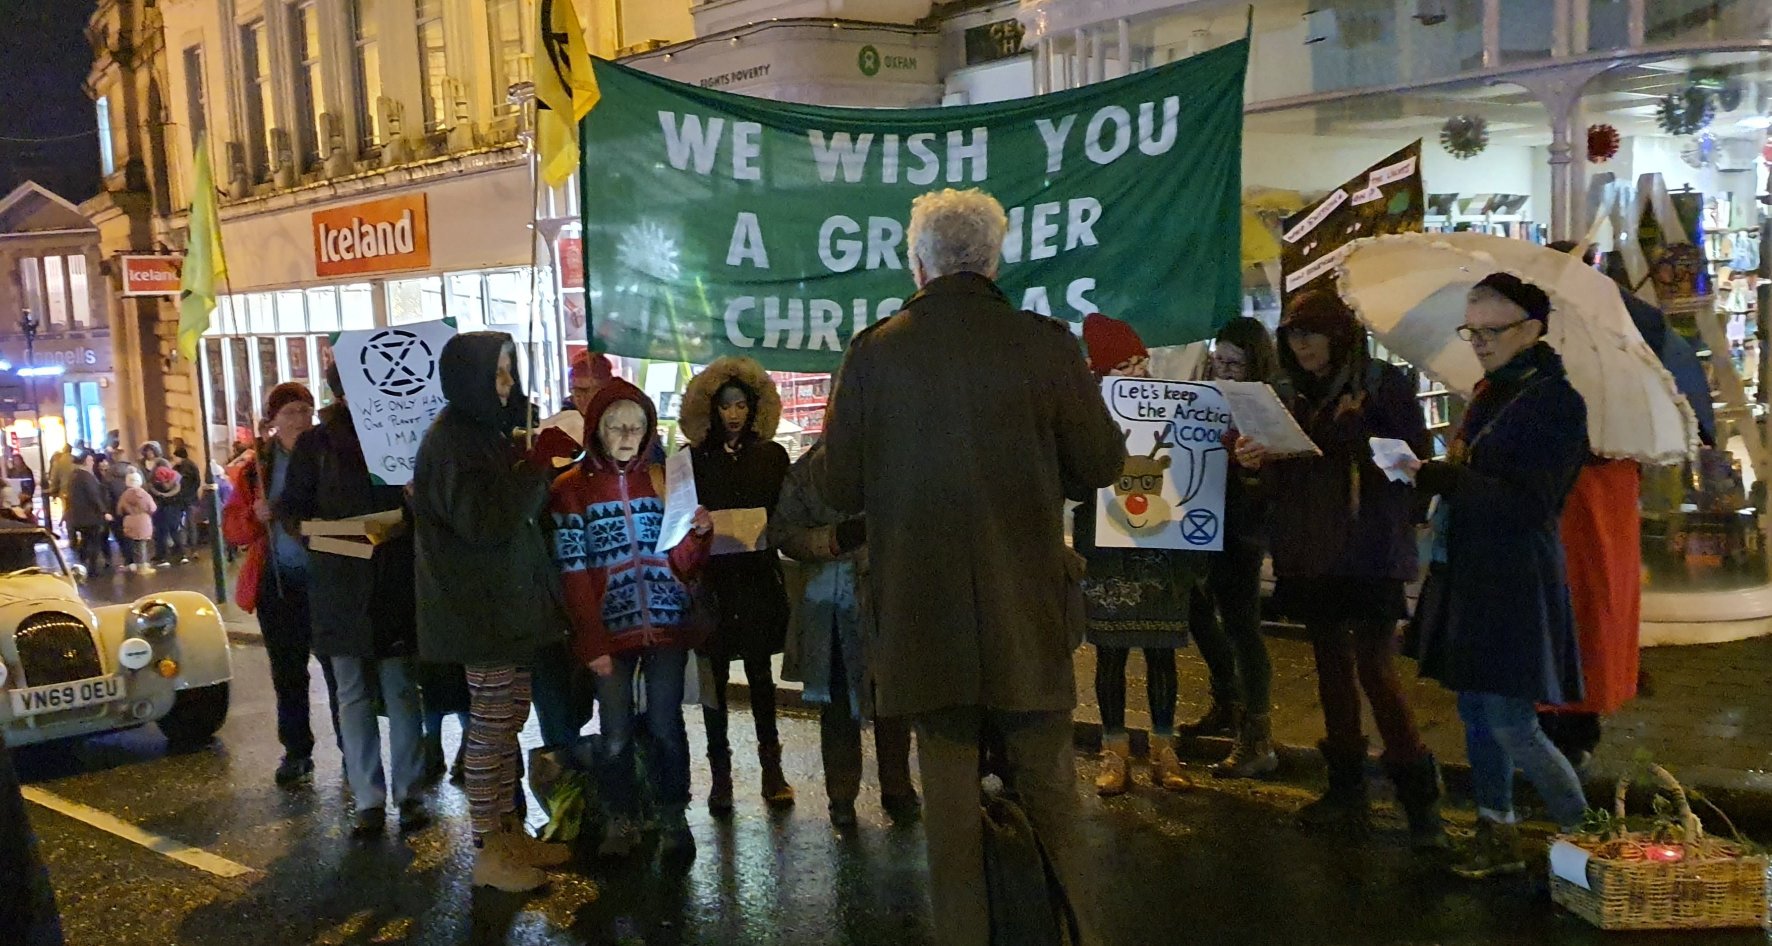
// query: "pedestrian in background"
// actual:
[[1502, 636], [17, 469], [57, 480], [1226, 610], [605, 515], [1135, 598], [730, 413], [1343, 548], [116, 481], [135, 518], [488, 593], [190, 487], [364, 614], [273, 579], [88, 513], [959, 427], [166, 484], [834, 628]]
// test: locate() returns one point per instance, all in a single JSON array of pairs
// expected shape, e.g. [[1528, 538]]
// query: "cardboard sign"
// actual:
[[382, 236], [395, 391], [150, 275], [1170, 494], [1385, 198]]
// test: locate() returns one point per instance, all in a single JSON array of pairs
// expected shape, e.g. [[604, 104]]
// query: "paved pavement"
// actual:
[[1219, 865]]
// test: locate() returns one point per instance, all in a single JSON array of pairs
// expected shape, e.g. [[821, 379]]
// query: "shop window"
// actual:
[[467, 301], [1681, 21], [196, 102], [30, 279], [79, 292], [323, 309], [217, 388], [260, 319], [107, 148], [507, 297], [510, 51], [356, 307], [298, 356], [242, 396], [1526, 28], [415, 300], [221, 321], [366, 35], [255, 59], [270, 371], [55, 291], [292, 315], [433, 63], [310, 85]]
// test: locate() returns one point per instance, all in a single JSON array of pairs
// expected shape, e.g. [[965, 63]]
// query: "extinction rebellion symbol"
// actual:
[[397, 363]]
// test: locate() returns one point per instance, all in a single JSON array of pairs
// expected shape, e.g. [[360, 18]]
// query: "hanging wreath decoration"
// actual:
[[1686, 112], [1602, 143], [1464, 136]]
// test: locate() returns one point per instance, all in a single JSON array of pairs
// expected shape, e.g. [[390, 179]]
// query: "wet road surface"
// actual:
[[1220, 865]]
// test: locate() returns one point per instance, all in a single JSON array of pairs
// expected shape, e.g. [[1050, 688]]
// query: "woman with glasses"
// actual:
[[1225, 614], [1343, 547]]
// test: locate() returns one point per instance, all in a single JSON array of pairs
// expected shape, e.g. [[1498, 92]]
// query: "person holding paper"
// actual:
[[632, 609], [1343, 539], [1501, 631], [1132, 598], [488, 592], [730, 412], [1226, 612], [834, 629]]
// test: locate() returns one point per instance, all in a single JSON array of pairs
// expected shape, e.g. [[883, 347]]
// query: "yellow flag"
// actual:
[[565, 88], [204, 265]]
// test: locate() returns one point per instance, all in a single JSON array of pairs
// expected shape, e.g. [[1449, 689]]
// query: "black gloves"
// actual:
[[852, 534]]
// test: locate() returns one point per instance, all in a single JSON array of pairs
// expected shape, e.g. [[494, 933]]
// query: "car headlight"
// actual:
[[151, 619]]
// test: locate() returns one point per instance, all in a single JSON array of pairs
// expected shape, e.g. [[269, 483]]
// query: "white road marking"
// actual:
[[177, 850]]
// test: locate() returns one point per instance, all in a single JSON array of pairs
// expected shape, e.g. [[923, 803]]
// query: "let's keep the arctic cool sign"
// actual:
[[718, 224]]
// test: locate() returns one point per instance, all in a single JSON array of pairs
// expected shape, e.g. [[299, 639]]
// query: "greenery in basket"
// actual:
[[1664, 825]]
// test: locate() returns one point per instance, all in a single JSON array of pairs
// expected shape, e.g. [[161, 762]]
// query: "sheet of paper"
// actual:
[[739, 530], [1570, 863], [680, 501], [1258, 414], [1393, 456]]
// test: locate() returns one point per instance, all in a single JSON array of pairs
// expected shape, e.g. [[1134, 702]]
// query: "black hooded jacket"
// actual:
[[488, 593]]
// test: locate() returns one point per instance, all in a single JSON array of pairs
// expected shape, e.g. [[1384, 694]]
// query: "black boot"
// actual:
[[1344, 807], [1418, 791], [1223, 718]]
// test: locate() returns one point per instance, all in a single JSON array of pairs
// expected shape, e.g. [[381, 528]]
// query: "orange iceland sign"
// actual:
[[381, 236], [150, 275]]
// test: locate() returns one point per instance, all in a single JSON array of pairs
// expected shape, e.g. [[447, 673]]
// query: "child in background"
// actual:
[[137, 509]]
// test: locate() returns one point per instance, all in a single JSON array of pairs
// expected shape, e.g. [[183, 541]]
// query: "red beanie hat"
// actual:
[[284, 394], [1111, 343], [596, 363]]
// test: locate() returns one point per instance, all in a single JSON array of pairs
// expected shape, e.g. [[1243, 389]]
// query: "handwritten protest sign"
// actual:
[[1384, 198], [1170, 494], [394, 390]]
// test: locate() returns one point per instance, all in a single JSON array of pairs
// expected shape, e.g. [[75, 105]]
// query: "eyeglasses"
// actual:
[[1472, 333]]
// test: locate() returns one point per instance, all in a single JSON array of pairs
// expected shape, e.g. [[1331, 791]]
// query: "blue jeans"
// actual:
[[661, 671], [562, 701], [362, 734], [1501, 732]]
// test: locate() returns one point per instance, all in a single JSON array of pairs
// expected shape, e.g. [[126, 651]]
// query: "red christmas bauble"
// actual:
[[1602, 143]]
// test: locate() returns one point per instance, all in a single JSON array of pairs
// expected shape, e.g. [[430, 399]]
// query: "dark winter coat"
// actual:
[[748, 590], [488, 593], [1508, 627], [1338, 515], [832, 618], [363, 608], [960, 426], [190, 482], [88, 503]]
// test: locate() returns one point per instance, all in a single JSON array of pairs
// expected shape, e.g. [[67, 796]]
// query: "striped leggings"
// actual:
[[498, 706]]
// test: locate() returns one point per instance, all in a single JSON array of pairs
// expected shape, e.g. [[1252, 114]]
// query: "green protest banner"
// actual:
[[718, 224]]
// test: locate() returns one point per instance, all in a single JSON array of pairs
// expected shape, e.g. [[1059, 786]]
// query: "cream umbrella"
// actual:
[[1410, 289]]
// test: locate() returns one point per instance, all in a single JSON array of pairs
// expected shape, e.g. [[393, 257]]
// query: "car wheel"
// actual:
[[196, 716]]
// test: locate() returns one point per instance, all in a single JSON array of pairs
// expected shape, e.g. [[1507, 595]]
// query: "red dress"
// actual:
[[1602, 542]]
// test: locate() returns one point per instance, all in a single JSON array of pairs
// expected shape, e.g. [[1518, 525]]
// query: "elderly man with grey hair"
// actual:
[[960, 426]]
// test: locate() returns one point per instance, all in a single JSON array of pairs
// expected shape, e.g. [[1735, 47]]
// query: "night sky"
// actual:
[[44, 59]]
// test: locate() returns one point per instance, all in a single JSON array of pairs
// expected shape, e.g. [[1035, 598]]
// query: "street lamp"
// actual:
[[27, 325]]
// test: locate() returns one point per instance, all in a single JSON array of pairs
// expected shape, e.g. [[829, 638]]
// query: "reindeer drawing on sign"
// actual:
[[1139, 509]]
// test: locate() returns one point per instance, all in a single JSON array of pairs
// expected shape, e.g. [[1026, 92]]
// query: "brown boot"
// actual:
[[1116, 765], [720, 792], [777, 793], [1166, 770]]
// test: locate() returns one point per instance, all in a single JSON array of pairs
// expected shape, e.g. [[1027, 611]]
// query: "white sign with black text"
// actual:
[[394, 389]]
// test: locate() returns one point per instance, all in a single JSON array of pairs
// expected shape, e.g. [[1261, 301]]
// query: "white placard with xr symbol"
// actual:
[[395, 390], [1170, 495]]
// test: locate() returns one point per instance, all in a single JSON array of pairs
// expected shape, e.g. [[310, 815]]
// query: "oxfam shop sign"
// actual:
[[871, 62]]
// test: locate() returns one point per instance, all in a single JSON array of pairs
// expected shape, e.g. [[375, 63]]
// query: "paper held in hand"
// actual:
[[680, 501], [1258, 414], [1395, 458], [739, 530], [356, 536]]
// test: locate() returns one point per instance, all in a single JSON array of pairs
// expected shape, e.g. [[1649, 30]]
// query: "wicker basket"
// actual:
[[1636, 886]]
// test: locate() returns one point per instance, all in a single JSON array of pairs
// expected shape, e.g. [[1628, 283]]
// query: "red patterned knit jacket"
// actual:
[[622, 594]]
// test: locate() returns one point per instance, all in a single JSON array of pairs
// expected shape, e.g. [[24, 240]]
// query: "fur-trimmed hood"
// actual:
[[696, 417]]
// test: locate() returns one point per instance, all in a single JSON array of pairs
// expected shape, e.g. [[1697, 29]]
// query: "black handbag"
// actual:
[[1029, 905], [1433, 609]]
